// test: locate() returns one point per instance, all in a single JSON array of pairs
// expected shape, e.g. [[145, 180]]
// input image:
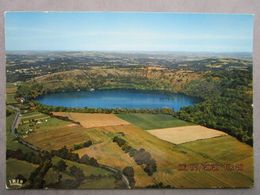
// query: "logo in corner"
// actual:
[[16, 182]]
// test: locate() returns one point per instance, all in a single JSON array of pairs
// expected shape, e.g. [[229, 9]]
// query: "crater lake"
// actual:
[[118, 98]]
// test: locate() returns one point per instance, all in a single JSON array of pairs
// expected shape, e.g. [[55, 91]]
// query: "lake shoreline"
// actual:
[[118, 99]]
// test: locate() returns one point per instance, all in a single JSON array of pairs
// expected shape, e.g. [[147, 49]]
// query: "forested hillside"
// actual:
[[227, 106]]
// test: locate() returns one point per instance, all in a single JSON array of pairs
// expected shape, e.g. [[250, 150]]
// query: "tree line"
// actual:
[[140, 156]]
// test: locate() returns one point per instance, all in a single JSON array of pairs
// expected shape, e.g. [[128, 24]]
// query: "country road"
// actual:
[[114, 170], [16, 121]]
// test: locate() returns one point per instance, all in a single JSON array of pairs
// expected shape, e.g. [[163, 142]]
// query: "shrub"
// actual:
[[142, 157], [132, 152], [159, 185], [150, 167], [129, 173], [60, 166], [88, 160], [87, 143], [126, 148], [77, 173], [82, 145], [119, 141]]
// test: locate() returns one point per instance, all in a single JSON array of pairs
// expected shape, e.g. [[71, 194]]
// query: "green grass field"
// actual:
[[153, 121], [102, 183], [11, 142], [10, 93], [32, 114], [46, 122], [223, 149], [52, 123], [15, 167], [10, 98]]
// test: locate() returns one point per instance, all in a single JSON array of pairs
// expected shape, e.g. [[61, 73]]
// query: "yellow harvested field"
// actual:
[[58, 137], [179, 135], [93, 120]]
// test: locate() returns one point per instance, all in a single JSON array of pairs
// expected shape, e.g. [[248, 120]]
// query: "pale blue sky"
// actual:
[[119, 31]]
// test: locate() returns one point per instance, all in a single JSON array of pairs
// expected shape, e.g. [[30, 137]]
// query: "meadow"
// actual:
[[10, 93], [150, 121], [16, 167]]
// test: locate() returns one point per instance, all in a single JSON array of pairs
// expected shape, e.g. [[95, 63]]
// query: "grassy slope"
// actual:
[[24, 168], [122, 78], [33, 115], [223, 149], [108, 180], [108, 153], [103, 183], [226, 150], [153, 121], [168, 157], [10, 93], [11, 143], [15, 167], [52, 123], [87, 169], [10, 98], [58, 138]]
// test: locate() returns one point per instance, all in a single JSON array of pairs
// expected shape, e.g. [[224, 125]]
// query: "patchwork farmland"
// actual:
[[168, 156]]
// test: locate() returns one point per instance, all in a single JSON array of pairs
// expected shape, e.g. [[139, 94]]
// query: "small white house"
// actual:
[[22, 100]]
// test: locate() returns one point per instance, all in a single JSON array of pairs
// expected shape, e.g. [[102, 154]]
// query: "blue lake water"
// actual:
[[118, 98]]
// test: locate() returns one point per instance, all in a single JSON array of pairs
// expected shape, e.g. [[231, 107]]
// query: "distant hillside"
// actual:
[[102, 77]]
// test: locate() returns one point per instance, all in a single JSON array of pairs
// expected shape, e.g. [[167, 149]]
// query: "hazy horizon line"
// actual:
[[136, 51]]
